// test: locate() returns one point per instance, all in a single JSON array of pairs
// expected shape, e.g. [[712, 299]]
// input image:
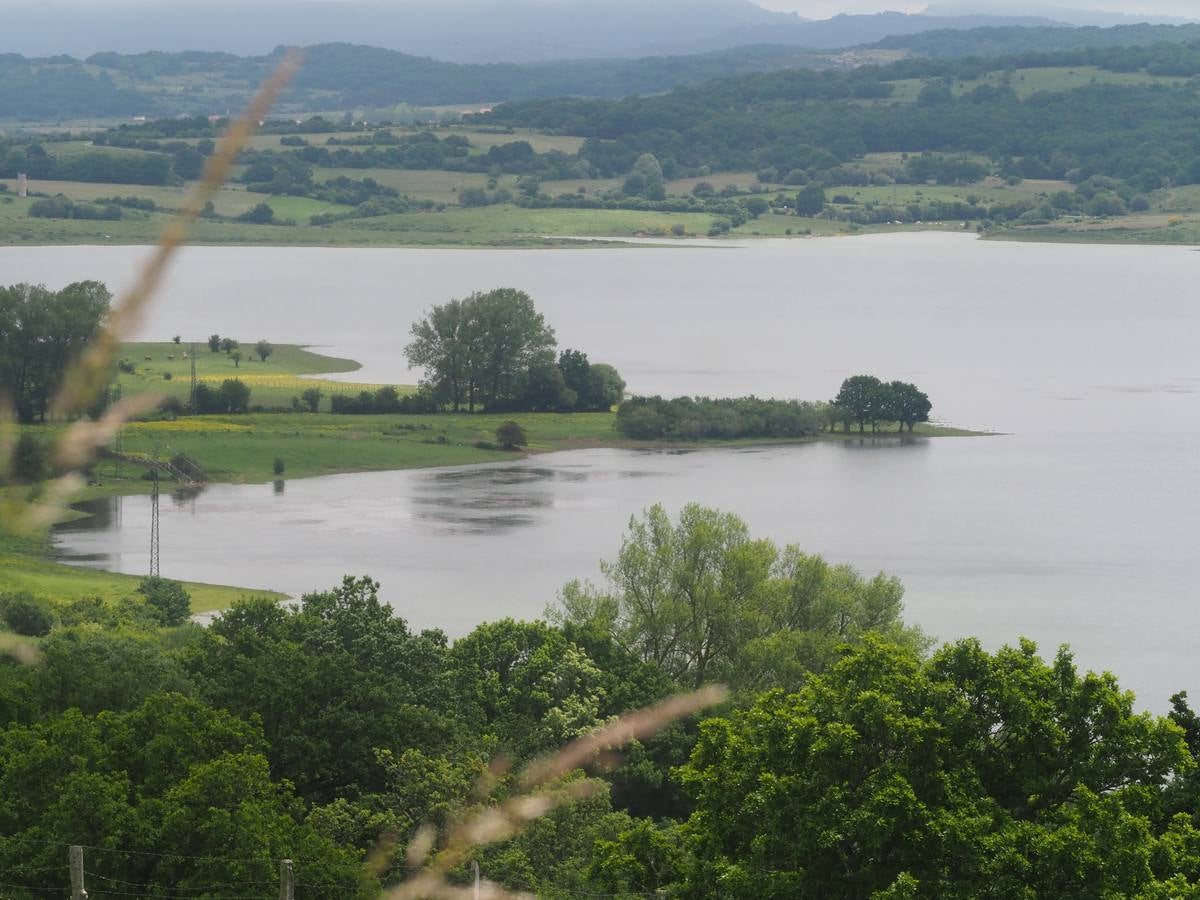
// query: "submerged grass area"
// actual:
[[244, 448]]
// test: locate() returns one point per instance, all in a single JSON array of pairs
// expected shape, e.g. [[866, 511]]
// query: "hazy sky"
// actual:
[[816, 9], [820, 9]]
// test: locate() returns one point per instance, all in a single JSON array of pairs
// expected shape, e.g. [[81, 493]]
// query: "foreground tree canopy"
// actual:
[[848, 763], [495, 350]]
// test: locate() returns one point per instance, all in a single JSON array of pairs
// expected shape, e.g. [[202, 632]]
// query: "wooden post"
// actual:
[[76, 857], [287, 881]]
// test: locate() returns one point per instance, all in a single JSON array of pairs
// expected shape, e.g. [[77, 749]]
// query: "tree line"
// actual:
[[863, 400], [495, 351], [851, 760], [702, 418]]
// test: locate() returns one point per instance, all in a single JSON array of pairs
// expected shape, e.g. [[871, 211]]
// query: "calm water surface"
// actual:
[[1077, 525]]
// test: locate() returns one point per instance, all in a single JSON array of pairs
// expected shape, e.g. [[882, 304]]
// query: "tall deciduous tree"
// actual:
[[442, 344], [911, 404], [41, 331], [858, 397], [704, 600], [481, 349]]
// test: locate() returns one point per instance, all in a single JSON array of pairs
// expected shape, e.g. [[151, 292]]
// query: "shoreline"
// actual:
[[1040, 235]]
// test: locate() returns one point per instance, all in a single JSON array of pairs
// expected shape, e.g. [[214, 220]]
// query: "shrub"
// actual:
[[171, 603], [260, 214], [26, 615], [278, 466], [29, 463], [511, 436]]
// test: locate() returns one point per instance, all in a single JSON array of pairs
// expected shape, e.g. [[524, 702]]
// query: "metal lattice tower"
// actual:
[[154, 527]]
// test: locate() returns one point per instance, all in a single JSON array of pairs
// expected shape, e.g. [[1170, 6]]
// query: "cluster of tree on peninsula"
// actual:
[[494, 351], [863, 400], [702, 418], [852, 759]]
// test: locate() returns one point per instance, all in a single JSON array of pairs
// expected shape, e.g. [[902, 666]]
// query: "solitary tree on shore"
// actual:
[[858, 397]]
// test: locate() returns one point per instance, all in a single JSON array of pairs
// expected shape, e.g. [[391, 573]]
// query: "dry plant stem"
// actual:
[[628, 728], [74, 450], [536, 797], [85, 378]]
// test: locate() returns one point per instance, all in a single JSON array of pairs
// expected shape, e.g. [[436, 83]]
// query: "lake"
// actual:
[[1078, 524]]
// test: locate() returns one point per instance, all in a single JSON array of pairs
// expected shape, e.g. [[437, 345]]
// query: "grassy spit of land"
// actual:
[[244, 448]]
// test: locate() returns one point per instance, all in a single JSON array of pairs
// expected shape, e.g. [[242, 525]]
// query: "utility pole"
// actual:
[[192, 395], [287, 880], [119, 441], [76, 856]]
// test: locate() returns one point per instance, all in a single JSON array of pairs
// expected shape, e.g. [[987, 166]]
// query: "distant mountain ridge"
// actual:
[[1065, 14], [467, 31]]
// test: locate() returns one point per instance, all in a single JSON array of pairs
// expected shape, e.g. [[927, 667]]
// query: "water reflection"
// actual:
[[884, 442], [101, 514], [486, 499], [278, 487]]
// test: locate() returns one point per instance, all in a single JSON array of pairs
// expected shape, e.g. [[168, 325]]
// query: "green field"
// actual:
[[504, 225], [1027, 82], [420, 184], [26, 566]]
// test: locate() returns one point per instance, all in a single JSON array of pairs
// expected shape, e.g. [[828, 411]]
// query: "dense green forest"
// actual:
[[343, 76], [812, 121], [351, 76], [850, 760], [1013, 40]]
